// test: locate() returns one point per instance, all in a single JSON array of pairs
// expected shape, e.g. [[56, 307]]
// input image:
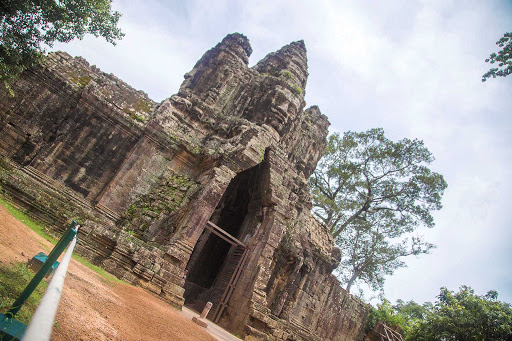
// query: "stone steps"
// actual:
[[56, 186], [107, 212], [32, 209], [224, 278]]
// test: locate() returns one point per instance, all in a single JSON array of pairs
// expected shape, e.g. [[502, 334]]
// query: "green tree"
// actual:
[[412, 310], [369, 252], [386, 313], [464, 316], [503, 58], [373, 193], [27, 26], [400, 317]]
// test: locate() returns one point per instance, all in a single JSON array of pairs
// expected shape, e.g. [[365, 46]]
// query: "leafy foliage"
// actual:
[[372, 193], [369, 253], [412, 310], [27, 25], [386, 313], [464, 316], [455, 316], [503, 58]]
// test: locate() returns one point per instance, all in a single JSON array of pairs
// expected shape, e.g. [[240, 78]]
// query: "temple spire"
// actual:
[[291, 61]]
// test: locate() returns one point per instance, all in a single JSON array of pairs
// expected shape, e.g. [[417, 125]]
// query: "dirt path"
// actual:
[[93, 308]]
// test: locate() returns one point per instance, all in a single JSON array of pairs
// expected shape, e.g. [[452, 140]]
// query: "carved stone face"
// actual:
[[278, 107]]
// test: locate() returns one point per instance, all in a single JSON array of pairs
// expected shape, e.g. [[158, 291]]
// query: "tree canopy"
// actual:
[[461, 315], [503, 59], [26, 26], [373, 193], [464, 316]]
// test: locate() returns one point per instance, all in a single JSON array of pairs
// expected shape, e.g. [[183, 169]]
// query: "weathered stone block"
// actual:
[[143, 272]]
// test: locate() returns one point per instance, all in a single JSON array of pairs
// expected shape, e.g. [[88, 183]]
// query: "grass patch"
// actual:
[[13, 279], [29, 222], [44, 246], [44, 232]]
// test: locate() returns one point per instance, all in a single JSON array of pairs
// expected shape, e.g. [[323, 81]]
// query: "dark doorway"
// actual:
[[215, 259]]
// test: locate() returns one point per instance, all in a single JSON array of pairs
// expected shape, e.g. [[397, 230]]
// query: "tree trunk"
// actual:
[[351, 281], [363, 208]]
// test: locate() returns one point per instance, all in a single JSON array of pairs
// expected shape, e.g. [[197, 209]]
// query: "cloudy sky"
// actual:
[[411, 67]]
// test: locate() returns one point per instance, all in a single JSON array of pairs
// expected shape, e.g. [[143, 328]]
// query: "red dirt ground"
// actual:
[[92, 308]]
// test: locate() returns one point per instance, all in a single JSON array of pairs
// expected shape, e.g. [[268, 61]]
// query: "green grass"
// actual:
[[13, 279], [29, 222], [44, 232]]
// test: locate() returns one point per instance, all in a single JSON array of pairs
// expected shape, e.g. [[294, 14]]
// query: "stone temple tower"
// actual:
[[202, 197]]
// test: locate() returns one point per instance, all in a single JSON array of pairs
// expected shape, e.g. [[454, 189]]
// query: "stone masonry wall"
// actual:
[[234, 146], [76, 119]]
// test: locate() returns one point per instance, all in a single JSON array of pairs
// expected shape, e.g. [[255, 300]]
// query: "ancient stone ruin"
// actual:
[[202, 197]]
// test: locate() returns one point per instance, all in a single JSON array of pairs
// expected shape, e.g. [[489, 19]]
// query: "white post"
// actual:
[[41, 324], [206, 310]]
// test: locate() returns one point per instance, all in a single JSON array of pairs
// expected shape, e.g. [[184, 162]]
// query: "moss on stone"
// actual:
[[169, 194], [133, 115], [81, 79], [297, 89], [142, 106], [286, 74], [138, 118], [192, 145], [262, 156]]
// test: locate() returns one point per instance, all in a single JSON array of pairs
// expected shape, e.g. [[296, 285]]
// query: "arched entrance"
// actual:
[[220, 252]]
